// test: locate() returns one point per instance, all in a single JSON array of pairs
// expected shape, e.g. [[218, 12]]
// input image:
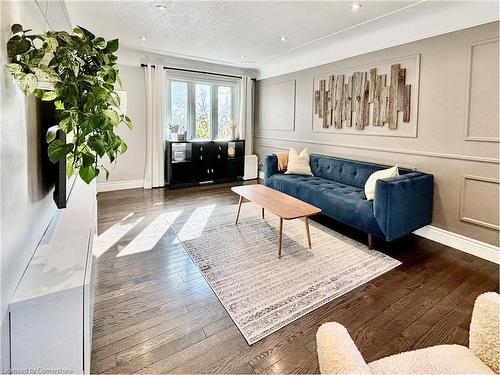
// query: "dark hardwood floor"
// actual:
[[155, 313]]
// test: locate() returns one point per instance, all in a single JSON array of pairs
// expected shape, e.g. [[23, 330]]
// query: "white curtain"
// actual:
[[155, 115], [246, 122]]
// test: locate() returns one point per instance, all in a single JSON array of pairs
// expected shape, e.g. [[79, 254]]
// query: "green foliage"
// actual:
[[80, 70], [202, 126]]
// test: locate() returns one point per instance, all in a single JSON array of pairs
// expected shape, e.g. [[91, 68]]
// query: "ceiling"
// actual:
[[247, 34], [241, 33]]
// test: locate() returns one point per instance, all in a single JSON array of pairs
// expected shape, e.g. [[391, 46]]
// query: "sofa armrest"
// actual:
[[403, 203], [270, 166], [337, 353], [484, 336]]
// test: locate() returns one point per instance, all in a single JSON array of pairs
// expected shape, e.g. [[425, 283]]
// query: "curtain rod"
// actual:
[[197, 71]]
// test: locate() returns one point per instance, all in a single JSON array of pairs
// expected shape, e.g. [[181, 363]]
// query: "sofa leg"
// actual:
[[370, 241]]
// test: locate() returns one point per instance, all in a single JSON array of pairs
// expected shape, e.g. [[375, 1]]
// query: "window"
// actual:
[[224, 111], [203, 117], [205, 109], [180, 103]]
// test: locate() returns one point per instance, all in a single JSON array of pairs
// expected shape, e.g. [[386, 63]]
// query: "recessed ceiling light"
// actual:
[[283, 38], [161, 6], [142, 38], [355, 7], [242, 56]]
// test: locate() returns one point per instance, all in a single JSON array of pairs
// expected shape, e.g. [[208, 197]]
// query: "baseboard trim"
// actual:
[[119, 185], [462, 243]]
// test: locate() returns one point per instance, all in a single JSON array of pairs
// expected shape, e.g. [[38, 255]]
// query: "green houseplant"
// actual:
[[78, 73]]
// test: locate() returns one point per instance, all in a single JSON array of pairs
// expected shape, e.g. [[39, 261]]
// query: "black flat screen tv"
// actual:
[[53, 175]]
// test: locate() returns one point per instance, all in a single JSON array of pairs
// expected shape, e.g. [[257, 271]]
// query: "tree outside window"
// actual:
[[206, 110]]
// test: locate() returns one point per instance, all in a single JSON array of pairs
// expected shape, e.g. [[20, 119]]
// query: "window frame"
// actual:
[[206, 79]]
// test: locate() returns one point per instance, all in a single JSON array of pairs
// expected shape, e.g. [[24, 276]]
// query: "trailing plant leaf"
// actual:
[[127, 121], [51, 133], [88, 159], [51, 43], [100, 42], [28, 83], [58, 149], [87, 173], [106, 171], [49, 96], [112, 46], [79, 73], [98, 145], [70, 169], [17, 46], [16, 28], [13, 68]]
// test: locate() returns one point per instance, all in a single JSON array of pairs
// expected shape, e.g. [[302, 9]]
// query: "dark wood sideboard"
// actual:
[[188, 163]]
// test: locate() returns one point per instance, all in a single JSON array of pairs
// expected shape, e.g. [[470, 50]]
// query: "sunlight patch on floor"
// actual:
[[111, 236], [149, 237], [191, 231]]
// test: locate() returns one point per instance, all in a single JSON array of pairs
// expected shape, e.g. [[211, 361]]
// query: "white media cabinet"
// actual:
[[51, 310]]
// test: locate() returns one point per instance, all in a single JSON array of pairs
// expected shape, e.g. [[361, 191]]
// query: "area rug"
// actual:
[[260, 292]]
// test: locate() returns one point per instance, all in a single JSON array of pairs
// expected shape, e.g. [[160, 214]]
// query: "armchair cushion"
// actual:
[[441, 359], [337, 353], [484, 336]]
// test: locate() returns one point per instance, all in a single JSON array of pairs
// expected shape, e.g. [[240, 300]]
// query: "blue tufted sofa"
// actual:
[[402, 204]]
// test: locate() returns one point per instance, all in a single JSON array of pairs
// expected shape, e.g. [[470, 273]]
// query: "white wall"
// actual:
[[128, 171], [130, 166], [26, 203]]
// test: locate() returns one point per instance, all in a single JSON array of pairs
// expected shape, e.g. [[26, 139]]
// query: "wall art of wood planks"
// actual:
[[354, 100]]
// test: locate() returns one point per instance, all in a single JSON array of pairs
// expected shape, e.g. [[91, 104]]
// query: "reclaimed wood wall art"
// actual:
[[377, 96]]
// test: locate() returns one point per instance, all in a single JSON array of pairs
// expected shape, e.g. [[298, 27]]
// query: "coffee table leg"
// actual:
[[308, 233], [263, 212], [239, 208], [281, 237]]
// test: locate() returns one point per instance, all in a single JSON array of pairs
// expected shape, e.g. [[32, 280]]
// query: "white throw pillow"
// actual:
[[298, 163], [370, 183]]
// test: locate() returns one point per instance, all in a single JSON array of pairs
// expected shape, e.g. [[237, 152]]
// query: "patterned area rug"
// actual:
[[261, 292]]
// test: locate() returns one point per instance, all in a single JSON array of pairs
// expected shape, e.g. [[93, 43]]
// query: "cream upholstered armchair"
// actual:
[[338, 354]]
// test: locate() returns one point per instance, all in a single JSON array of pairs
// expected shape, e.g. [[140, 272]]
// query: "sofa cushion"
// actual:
[[298, 163], [339, 201], [378, 175], [348, 172]]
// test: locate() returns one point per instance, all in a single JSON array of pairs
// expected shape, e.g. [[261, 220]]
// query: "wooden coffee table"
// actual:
[[282, 205]]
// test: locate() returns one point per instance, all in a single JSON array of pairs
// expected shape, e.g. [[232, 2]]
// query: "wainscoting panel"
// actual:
[[482, 97], [276, 106], [479, 201]]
